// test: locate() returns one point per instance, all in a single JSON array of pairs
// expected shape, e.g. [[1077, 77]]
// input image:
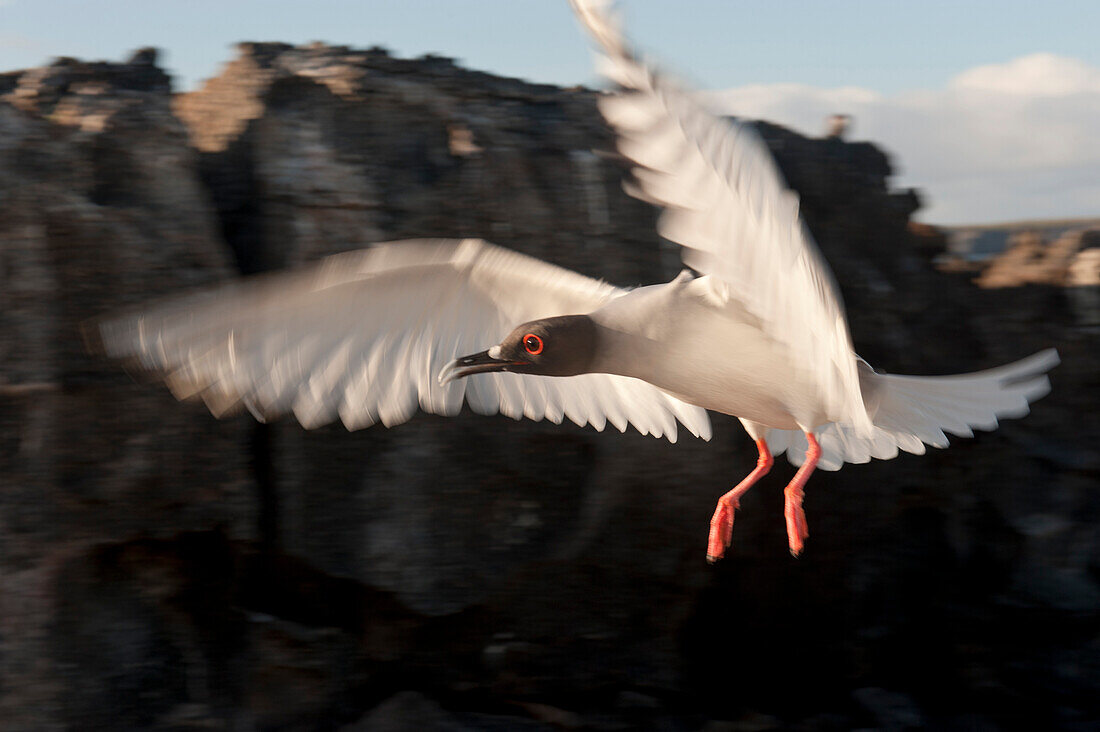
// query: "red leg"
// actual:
[[721, 524], [792, 509]]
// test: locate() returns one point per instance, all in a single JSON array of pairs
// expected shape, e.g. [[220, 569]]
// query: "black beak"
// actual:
[[478, 363]]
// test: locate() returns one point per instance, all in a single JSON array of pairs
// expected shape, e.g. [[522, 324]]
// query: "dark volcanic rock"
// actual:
[[160, 569], [100, 208], [41, 90]]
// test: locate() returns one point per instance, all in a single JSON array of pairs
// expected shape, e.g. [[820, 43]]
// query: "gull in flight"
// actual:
[[756, 329]]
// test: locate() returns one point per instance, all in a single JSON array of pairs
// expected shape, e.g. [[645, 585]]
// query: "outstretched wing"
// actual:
[[362, 337], [728, 206]]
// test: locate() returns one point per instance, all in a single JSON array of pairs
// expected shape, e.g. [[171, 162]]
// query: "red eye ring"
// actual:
[[532, 344]]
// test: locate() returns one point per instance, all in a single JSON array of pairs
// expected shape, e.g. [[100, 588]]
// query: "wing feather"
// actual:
[[727, 205], [362, 337]]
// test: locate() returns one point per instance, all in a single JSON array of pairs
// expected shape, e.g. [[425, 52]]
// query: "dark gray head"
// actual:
[[561, 346]]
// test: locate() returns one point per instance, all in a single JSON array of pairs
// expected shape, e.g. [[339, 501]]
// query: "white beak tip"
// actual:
[[448, 373]]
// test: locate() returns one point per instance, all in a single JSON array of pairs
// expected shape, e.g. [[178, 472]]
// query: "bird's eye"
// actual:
[[532, 344]]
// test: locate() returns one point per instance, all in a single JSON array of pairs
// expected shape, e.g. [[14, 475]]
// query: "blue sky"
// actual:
[[789, 60]]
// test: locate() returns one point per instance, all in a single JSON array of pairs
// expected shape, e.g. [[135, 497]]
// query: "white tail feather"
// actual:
[[909, 411]]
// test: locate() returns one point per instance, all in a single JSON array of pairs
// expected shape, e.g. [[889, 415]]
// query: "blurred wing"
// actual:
[[362, 337], [728, 206]]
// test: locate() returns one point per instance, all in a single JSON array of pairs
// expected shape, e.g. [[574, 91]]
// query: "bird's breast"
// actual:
[[706, 353]]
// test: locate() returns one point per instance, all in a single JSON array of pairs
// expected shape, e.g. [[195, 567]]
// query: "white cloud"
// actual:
[[1005, 141], [1040, 74], [12, 41]]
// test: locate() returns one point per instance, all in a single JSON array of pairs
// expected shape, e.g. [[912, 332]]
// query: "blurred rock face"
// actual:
[[160, 569]]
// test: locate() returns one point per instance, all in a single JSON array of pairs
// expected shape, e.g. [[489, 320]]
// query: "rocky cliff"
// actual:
[[160, 569]]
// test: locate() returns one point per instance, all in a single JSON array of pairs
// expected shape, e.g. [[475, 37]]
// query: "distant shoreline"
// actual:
[[1067, 223], [978, 242]]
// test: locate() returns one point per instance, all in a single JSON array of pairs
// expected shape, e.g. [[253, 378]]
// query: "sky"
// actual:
[[990, 108]]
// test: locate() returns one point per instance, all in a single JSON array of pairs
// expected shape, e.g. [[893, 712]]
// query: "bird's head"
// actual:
[[561, 346]]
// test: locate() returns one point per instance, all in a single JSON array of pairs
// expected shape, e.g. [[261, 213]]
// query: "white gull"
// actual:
[[760, 334]]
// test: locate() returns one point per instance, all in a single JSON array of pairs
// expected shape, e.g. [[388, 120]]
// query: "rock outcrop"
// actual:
[[100, 208], [1029, 259], [160, 569]]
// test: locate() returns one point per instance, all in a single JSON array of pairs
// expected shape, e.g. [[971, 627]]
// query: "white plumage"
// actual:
[[762, 334], [727, 204], [362, 336]]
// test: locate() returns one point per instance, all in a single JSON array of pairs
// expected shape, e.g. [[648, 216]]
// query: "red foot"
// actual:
[[721, 524], [797, 531]]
